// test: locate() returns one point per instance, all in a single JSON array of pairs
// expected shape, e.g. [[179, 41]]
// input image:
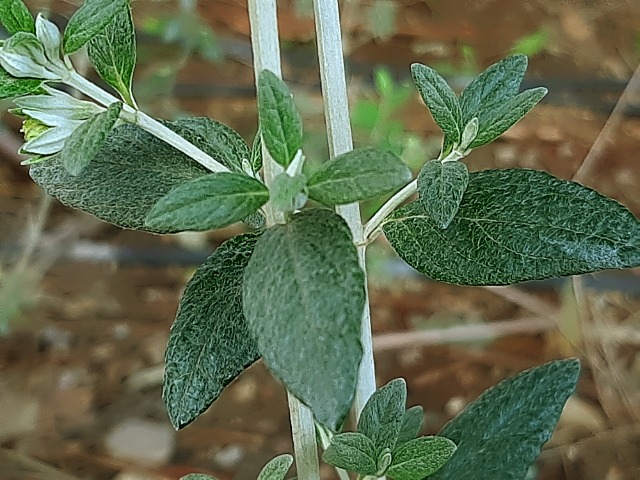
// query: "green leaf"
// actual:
[[412, 421], [212, 201], [441, 101], [303, 297], [381, 417], [502, 117], [517, 225], [134, 170], [277, 468], [85, 142], [498, 83], [255, 159], [89, 20], [280, 121], [441, 186], [358, 175], [198, 476], [209, 343], [501, 433], [420, 457], [15, 17], [113, 54], [352, 451], [287, 193], [14, 87]]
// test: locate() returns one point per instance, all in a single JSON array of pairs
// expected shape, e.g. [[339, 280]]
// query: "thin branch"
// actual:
[[394, 202]]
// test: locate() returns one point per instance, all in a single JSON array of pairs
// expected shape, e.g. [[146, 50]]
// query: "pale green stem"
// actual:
[[370, 229], [336, 108], [266, 55]]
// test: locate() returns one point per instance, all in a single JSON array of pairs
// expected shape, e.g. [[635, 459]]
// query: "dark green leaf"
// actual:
[[89, 20], [134, 170], [420, 457], [14, 87], [441, 187], [358, 175], [113, 53], [412, 421], [500, 434], [303, 298], [381, 417], [209, 343], [503, 116], [15, 17], [498, 83], [440, 99], [352, 451], [517, 225], [87, 140], [212, 201], [277, 468], [287, 193], [256, 152], [280, 121]]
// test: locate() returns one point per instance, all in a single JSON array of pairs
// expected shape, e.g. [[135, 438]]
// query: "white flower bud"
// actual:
[[22, 55], [469, 134], [51, 141], [60, 104], [49, 35]]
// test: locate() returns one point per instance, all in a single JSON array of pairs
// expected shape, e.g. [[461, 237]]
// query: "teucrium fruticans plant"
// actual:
[[293, 291]]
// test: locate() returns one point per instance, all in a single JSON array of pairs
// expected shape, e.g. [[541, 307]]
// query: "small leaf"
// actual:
[[14, 87], [212, 201], [15, 17], [352, 451], [280, 121], [381, 417], [440, 99], [256, 152], [209, 343], [198, 476], [441, 186], [516, 225], [501, 433], [287, 193], [303, 299], [420, 457], [358, 175], [277, 468], [113, 54], [89, 20], [85, 142], [412, 421]]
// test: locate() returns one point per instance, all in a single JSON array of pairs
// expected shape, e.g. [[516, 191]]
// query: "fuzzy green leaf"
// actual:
[[303, 298], [420, 457], [412, 421], [113, 53], [212, 201], [352, 451], [89, 20], [441, 187], [440, 99], [501, 433], [277, 468], [255, 159], [358, 175], [280, 121], [198, 476], [382, 415], [209, 342], [288, 193], [134, 170], [14, 87], [87, 140], [15, 17], [517, 225]]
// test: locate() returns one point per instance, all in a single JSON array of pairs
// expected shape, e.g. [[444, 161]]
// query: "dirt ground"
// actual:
[[91, 305]]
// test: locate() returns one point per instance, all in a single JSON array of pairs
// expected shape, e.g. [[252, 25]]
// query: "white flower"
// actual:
[[59, 104], [52, 140]]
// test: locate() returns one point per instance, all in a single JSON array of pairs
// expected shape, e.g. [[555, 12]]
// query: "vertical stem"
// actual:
[[336, 108], [266, 55]]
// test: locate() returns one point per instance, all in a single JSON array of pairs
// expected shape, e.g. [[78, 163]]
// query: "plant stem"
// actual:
[[266, 55], [374, 223], [336, 108]]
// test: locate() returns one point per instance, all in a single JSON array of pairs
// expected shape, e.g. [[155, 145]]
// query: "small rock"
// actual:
[[143, 442]]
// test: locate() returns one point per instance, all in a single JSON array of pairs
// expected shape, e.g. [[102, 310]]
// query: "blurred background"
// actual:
[[85, 308]]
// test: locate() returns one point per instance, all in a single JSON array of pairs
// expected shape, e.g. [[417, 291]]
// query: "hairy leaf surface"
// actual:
[[441, 187], [14, 87], [412, 421], [420, 457], [89, 20], [352, 451], [277, 468], [15, 17], [382, 415]]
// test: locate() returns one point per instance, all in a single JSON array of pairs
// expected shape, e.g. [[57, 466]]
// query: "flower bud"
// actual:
[[50, 38], [23, 55]]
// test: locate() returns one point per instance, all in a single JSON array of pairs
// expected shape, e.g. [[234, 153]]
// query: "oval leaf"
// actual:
[[15, 17], [212, 201], [441, 187], [209, 343], [89, 20], [420, 457], [352, 451], [501, 433], [517, 225], [277, 468], [412, 421], [303, 296], [381, 417], [358, 175]]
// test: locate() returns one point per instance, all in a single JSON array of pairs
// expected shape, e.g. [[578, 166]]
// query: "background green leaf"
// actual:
[[280, 120], [14, 87], [420, 457], [352, 451], [501, 433], [209, 343], [287, 193], [276, 468], [381, 417], [412, 421], [303, 298], [441, 187], [89, 20], [515, 225], [15, 17]]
